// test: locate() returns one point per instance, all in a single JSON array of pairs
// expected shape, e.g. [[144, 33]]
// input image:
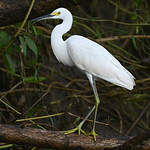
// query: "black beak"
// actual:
[[42, 18]]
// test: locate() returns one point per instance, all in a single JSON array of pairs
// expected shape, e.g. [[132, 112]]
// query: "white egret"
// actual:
[[90, 57]]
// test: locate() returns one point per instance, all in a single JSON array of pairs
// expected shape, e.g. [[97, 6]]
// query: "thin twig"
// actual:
[[113, 38], [7, 105], [22, 25], [138, 119], [113, 21], [40, 117], [124, 10]]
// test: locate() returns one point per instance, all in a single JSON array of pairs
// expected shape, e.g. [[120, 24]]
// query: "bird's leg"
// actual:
[[79, 127], [93, 84]]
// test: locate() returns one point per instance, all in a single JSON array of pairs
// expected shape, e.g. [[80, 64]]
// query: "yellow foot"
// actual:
[[78, 128], [93, 133]]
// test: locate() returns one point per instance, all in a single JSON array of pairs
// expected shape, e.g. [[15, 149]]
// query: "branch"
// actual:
[[54, 139], [113, 38], [58, 140]]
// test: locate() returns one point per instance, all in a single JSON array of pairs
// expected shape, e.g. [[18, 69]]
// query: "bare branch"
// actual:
[[113, 38]]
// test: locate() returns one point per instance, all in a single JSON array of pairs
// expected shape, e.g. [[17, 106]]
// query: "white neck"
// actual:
[[58, 44]]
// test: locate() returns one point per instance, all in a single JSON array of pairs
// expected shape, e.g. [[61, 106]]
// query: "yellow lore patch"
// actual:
[[55, 13]]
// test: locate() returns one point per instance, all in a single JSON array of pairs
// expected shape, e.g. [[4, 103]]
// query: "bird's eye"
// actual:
[[58, 13]]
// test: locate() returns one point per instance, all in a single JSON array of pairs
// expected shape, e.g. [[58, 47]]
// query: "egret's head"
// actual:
[[59, 13]]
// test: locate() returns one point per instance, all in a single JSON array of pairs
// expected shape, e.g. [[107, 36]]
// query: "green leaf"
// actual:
[[34, 29], [23, 45], [138, 3], [6, 146], [34, 79], [137, 29], [11, 64], [4, 39], [37, 31], [134, 42], [31, 44], [75, 1], [133, 17]]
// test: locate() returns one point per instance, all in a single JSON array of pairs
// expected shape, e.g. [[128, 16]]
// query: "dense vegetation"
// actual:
[[33, 83]]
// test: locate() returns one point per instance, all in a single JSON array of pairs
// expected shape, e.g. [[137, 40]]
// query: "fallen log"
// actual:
[[58, 140]]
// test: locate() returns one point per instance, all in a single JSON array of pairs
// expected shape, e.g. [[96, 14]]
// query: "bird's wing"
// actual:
[[91, 57]]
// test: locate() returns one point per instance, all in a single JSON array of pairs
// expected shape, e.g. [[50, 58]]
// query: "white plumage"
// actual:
[[96, 60], [88, 56]]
